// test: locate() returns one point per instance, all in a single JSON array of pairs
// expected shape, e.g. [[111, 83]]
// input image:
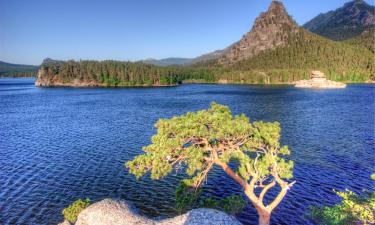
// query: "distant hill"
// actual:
[[212, 55], [186, 61], [13, 70], [344, 23], [168, 61]]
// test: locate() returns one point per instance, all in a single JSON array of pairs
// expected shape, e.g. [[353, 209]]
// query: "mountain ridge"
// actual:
[[345, 22], [11, 69], [180, 61]]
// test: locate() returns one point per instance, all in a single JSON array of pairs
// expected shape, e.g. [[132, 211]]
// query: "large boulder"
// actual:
[[111, 212], [201, 217], [115, 212], [318, 80], [317, 74]]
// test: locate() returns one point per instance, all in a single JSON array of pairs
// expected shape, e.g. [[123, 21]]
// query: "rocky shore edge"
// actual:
[[118, 212]]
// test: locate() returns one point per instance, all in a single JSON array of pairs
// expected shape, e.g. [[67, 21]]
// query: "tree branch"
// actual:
[[284, 189], [265, 189], [231, 173], [278, 199], [249, 191], [204, 174]]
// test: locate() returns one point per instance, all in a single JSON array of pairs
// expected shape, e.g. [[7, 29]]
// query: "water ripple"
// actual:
[[61, 144]]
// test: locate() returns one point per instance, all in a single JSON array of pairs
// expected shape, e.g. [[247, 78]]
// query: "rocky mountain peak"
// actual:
[[276, 6], [271, 29]]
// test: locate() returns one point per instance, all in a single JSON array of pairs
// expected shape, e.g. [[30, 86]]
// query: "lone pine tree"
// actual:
[[214, 137]]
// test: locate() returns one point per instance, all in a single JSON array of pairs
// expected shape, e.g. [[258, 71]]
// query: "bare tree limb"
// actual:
[[265, 189]]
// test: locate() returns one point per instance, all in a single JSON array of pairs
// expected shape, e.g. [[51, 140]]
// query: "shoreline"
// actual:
[[86, 85], [97, 85]]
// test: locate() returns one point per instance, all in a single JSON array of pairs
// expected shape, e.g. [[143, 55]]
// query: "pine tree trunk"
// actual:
[[264, 217]]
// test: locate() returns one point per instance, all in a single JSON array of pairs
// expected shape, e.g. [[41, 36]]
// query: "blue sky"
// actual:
[[131, 29]]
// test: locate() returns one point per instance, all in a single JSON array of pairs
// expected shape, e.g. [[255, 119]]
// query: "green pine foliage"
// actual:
[[353, 209], [72, 211], [366, 39], [198, 141], [188, 196], [232, 205]]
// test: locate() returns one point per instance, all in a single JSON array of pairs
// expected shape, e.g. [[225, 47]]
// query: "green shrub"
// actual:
[[353, 209], [209, 203], [71, 212], [232, 205]]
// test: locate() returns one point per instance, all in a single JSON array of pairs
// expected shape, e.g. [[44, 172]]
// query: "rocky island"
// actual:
[[318, 80]]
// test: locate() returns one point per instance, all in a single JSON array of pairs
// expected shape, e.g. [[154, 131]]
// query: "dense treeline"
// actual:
[[18, 74], [17, 70], [366, 39], [111, 73]]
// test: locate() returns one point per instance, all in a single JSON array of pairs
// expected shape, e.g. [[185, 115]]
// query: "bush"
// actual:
[[233, 204], [71, 212], [354, 209]]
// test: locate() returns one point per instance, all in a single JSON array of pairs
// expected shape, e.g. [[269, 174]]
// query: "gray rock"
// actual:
[[113, 212], [65, 223], [202, 217]]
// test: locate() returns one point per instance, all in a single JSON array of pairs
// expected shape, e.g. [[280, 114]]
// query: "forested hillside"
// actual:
[[285, 53], [366, 39], [305, 51], [17, 70]]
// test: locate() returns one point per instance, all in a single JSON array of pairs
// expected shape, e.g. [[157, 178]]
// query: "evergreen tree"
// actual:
[[202, 140]]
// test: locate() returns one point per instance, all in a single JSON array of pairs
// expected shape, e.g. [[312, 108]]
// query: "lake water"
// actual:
[[61, 144]]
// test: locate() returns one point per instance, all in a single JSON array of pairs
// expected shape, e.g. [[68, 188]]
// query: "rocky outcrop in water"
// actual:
[[271, 29], [47, 79], [112, 212], [319, 80]]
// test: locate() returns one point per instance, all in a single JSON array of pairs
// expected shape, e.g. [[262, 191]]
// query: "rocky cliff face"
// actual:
[[345, 22], [46, 77], [271, 29], [43, 79]]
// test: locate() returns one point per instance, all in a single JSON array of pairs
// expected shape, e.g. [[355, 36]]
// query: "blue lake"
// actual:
[[61, 144]]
